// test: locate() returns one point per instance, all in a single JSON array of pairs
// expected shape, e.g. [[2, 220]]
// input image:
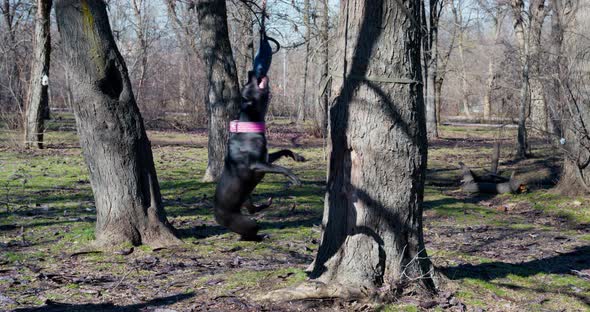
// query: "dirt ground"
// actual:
[[526, 252]]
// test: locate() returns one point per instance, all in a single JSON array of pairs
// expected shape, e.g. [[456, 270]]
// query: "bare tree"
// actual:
[[113, 139], [223, 98], [431, 57], [495, 10], [38, 99], [372, 227], [523, 48], [325, 78], [538, 110], [457, 7]]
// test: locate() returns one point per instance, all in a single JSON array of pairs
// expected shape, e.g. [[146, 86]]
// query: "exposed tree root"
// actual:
[[314, 290]]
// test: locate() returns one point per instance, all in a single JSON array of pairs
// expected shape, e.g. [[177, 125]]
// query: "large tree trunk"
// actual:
[[572, 99], [113, 139], [223, 96], [325, 78], [38, 106], [538, 108], [431, 57], [372, 227]]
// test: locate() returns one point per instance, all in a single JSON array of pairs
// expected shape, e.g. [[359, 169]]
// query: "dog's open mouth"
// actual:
[[263, 83]]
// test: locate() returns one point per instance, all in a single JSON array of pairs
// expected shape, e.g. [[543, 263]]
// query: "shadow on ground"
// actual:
[[58, 307]]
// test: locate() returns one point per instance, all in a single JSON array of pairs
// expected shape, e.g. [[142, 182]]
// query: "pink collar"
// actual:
[[236, 126]]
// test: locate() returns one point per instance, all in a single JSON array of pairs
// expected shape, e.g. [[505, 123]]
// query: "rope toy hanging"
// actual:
[[263, 57]]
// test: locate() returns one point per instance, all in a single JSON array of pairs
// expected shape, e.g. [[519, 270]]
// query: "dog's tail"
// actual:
[[238, 223]]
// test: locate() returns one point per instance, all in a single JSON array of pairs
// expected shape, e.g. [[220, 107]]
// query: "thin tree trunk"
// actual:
[[538, 108], [142, 50], [521, 39], [458, 16], [438, 99], [112, 136], [325, 80], [38, 106], [431, 57], [487, 100], [372, 227], [223, 97], [306, 21], [14, 74]]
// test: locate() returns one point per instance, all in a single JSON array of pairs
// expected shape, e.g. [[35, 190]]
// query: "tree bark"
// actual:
[[38, 106], [112, 135], [142, 48], [245, 42], [372, 227], [431, 57], [325, 78], [538, 120], [458, 18], [223, 96], [487, 100], [523, 49], [306, 21]]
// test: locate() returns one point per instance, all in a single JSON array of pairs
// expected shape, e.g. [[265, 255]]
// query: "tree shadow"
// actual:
[[207, 230], [578, 259], [342, 195], [156, 302]]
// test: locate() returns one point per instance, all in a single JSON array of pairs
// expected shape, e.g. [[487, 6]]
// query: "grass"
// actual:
[[47, 194]]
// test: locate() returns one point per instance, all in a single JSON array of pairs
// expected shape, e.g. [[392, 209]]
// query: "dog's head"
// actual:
[[255, 96]]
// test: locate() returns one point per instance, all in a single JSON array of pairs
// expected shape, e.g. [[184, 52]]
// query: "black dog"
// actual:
[[247, 161]]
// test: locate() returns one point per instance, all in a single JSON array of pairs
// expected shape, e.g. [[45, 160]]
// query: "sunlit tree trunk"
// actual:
[[523, 49], [538, 118], [306, 20], [431, 57], [112, 135], [223, 97], [325, 80], [487, 100], [38, 99], [372, 226]]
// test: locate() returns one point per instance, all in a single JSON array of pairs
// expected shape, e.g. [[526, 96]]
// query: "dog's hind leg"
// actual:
[[238, 223], [268, 168], [253, 208], [272, 157]]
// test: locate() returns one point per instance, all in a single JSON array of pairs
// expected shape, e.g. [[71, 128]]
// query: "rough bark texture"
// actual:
[[113, 139], [431, 60], [223, 95], [38, 100], [372, 225]]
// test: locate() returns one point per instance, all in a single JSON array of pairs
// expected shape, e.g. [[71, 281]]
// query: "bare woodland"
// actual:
[[376, 86]]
